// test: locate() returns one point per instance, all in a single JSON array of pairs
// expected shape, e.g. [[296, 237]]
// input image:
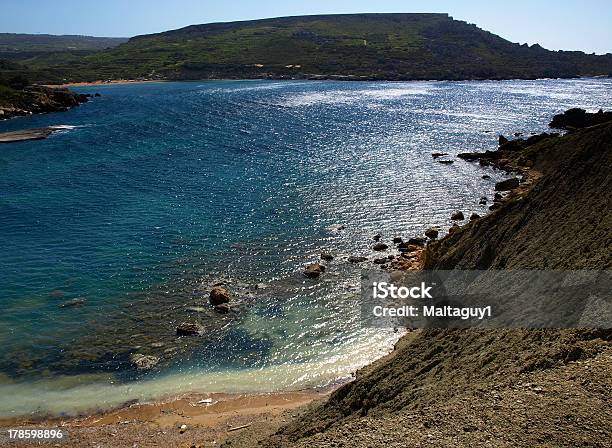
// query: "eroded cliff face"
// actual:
[[495, 387], [37, 99]]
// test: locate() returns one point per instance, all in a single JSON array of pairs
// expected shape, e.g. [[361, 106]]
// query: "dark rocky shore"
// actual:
[[495, 387], [38, 99]]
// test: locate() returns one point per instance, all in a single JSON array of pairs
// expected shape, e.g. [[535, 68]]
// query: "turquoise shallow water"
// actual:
[[152, 192]]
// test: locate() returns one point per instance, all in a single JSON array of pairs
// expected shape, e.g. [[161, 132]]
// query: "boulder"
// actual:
[[446, 162], [380, 247], [502, 140], [507, 185], [144, 362], [397, 240], [219, 295], [486, 176], [457, 216], [454, 228], [356, 259], [377, 237], [314, 270], [381, 260], [432, 233], [406, 247], [474, 216], [189, 329], [327, 256]]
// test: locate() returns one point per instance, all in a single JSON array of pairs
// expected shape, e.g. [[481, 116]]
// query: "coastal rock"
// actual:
[[446, 162], [454, 228], [432, 233], [380, 247], [406, 247], [502, 140], [144, 362], [498, 197], [219, 295], [474, 216], [397, 240], [189, 329], [486, 176], [483, 201], [457, 216], [327, 256], [579, 118], [506, 185], [356, 259], [377, 237], [314, 270], [417, 241], [381, 260]]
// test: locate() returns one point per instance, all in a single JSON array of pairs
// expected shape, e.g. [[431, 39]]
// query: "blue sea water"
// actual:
[[151, 193]]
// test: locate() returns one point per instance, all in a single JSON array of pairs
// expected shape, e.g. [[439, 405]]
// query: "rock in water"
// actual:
[[355, 259], [457, 216], [432, 233], [417, 241], [219, 295], [474, 216], [314, 270], [189, 329], [502, 140], [380, 247], [327, 256], [144, 362], [397, 240], [507, 185]]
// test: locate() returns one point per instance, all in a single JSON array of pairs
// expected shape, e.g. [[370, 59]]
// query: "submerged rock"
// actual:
[[356, 259], [314, 270], [377, 237], [483, 201], [144, 362], [72, 303], [189, 329], [435, 155], [219, 295], [397, 240], [223, 308], [381, 260], [446, 162], [327, 256]]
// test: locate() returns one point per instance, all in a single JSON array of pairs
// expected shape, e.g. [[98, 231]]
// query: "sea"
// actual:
[[115, 228]]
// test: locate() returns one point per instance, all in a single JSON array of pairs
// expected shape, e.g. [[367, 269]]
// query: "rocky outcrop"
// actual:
[[579, 118], [356, 259], [379, 247], [457, 216], [314, 270], [432, 233], [219, 295], [38, 99], [144, 362], [326, 256]]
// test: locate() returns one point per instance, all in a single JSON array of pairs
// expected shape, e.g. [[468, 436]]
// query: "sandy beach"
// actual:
[[208, 420], [104, 83]]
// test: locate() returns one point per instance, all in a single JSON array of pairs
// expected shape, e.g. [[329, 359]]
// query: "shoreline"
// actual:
[[104, 83]]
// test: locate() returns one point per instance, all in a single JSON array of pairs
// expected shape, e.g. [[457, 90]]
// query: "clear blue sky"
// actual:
[[557, 24]]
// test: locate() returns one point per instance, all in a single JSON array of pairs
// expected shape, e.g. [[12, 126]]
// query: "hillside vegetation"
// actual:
[[352, 46]]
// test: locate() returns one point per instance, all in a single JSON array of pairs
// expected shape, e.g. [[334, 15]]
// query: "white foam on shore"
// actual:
[[79, 395]]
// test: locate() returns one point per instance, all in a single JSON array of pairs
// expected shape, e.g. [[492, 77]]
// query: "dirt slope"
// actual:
[[485, 387]]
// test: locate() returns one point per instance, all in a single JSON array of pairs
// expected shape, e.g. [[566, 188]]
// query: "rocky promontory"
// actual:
[[37, 99]]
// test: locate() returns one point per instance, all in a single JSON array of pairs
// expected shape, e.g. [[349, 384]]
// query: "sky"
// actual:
[[556, 25]]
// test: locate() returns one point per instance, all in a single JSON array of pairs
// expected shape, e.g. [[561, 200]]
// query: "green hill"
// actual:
[[354, 46]]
